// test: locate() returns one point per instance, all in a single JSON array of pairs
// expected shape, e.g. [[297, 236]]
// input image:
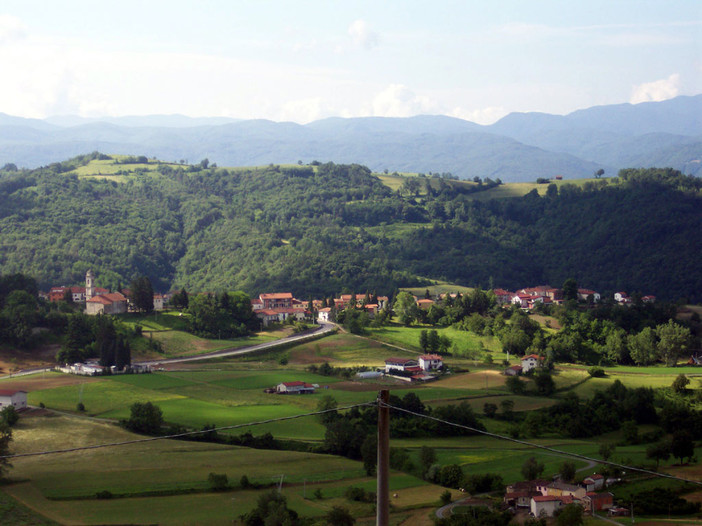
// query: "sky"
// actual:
[[306, 60]]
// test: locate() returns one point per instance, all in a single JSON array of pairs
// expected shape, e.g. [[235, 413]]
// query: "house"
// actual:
[[430, 362], [531, 362], [562, 489], [598, 501], [520, 499], [393, 365], [109, 303], [622, 298], [545, 505], [425, 304], [277, 300], [294, 388], [522, 300], [648, 299], [515, 370], [584, 294], [502, 296], [14, 398], [323, 314], [594, 483]]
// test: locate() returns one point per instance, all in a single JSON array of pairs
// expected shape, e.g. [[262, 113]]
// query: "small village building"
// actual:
[[295, 388], [594, 482], [430, 362], [277, 300], [14, 398], [530, 362], [545, 505], [648, 299], [159, 302], [502, 296], [425, 304], [401, 364], [515, 370], [520, 499], [522, 300], [562, 489], [323, 314], [622, 298], [598, 501], [110, 303], [369, 375], [584, 294]]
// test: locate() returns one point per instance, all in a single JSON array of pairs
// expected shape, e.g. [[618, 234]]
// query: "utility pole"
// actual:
[[383, 489]]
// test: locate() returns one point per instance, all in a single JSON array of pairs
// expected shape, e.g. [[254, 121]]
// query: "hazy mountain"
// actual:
[[519, 147]]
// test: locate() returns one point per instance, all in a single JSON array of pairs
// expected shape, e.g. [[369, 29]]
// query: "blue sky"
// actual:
[[305, 60]]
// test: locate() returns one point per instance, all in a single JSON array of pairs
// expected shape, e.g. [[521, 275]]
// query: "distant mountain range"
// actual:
[[519, 147]]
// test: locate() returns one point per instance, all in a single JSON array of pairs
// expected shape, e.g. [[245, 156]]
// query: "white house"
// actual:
[[622, 297], [401, 364], [14, 398], [530, 362], [323, 314], [594, 482], [545, 505], [294, 388], [430, 362], [584, 294]]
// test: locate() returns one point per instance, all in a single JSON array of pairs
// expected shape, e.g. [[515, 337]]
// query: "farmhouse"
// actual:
[[294, 388], [584, 294], [393, 365], [14, 398], [277, 307], [515, 370], [545, 505], [110, 303], [598, 501], [594, 482], [430, 362], [531, 362]]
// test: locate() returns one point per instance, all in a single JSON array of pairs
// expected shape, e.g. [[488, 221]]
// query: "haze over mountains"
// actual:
[[519, 147]]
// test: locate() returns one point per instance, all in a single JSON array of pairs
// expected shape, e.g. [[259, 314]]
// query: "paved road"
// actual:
[[323, 329]]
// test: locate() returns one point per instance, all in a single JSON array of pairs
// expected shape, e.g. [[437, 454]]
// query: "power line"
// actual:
[[184, 434], [538, 446]]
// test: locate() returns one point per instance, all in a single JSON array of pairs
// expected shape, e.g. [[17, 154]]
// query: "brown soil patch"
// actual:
[[12, 360], [306, 356], [543, 319], [37, 383]]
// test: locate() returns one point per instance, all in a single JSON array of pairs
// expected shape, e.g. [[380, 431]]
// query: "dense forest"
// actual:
[[317, 230]]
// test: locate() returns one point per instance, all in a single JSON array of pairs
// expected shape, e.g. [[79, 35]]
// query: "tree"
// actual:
[[680, 384], [406, 308], [489, 410], [515, 385], [9, 415], [682, 445], [179, 300], [570, 515], [5, 439], [673, 341], [643, 346], [659, 451], [570, 289], [545, 386], [427, 458], [630, 432], [606, 451], [142, 294], [567, 471], [327, 403], [599, 173], [369, 453], [339, 516], [507, 407], [532, 469], [145, 418]]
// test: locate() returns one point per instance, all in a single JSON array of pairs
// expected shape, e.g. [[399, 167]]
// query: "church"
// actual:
[[104, 302]]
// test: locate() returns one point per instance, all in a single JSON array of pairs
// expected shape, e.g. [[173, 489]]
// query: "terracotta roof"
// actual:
[[399, 361], [545, 498], [431, 357], [10, 392], [534, 356], [276, 296]]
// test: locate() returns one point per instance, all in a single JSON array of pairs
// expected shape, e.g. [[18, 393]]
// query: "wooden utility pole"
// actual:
[[383, 489]]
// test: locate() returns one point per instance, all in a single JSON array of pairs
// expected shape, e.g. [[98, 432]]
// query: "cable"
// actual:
[[180, 435], [547, 448]]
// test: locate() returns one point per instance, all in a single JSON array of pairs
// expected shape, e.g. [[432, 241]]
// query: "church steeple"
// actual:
[[89, 285]]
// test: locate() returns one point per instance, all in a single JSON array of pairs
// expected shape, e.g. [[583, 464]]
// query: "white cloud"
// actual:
[[304, 110], [11, 29], [657, 90], [362, 35], [487, 115], [399, 101]]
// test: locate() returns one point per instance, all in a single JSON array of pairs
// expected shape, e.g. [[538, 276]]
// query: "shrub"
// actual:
[[104, 494], [80, 407], [596, 372], [218, 481], [445, 497]]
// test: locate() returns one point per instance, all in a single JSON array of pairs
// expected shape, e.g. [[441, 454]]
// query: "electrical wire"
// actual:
[[546, 448], [181, 435]]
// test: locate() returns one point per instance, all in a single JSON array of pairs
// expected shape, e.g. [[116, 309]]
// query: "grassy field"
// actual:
[[50, 484]]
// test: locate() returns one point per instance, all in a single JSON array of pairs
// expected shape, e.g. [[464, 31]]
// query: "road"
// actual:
[[323, 329]]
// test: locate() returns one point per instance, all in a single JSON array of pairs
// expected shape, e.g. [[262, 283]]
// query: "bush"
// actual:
[[80, 407], [318, 494], [596, 372], [217, 481], [104, 494], [9, 415], [359, 494], [445, 497], [244, 482]]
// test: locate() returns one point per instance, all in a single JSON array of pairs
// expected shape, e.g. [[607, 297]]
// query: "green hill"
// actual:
[[317, 230]]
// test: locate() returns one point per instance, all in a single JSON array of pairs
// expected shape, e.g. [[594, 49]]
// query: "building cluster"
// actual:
[[414, 370], [98, 300], [530, 297], [543, 498]]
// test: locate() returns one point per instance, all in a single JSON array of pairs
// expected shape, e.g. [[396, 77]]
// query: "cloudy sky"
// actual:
[[304, 60]]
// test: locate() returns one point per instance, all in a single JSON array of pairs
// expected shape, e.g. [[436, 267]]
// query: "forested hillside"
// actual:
[[316, 230]]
